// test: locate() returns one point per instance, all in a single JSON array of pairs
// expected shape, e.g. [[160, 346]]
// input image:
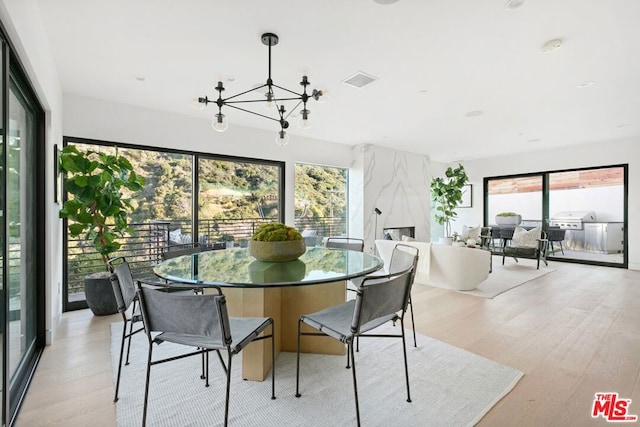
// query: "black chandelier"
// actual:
[[220, 124]]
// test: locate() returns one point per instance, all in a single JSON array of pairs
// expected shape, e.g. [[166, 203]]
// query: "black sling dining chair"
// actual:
[[202, 322], [378, 300]]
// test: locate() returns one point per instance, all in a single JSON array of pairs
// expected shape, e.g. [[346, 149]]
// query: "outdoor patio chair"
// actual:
[[378, 301], [556, 235], [202, 322]]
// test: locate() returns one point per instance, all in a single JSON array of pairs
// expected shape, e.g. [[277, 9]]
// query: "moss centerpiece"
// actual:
[[276, 242]]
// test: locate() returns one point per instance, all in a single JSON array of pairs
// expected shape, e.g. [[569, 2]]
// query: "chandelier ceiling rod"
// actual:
[[220, 124]]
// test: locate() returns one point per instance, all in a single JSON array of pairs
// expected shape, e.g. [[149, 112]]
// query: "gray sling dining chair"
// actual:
[[199, 321], [378, 301], [403, 257], [124, 291]]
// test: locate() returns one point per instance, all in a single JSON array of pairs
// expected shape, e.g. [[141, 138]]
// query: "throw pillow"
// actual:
[[470, 233], [526, 239], [408, 238]]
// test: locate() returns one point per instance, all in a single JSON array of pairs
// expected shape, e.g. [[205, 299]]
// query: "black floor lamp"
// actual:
[[375, 231]]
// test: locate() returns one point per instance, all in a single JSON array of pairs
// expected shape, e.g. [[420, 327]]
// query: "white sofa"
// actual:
[[449, 267]]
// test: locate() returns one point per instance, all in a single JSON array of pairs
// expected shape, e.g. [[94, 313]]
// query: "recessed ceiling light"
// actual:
[[513, 4], [424, 91], [585, 84], [474, 113], [534, 140], [551, 45], [386, 1], [139, 77]]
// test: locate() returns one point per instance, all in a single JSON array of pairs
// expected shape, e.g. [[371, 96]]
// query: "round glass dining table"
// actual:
[[237, 268], [281, 290]]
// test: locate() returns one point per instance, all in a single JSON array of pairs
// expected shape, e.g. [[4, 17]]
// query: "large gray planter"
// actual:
[[509, 220], [99, 294]]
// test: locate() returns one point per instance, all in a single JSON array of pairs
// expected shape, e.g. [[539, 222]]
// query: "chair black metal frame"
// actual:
[[538, 253], [202, 322], [398, 263], [379, 299], [124, 290]]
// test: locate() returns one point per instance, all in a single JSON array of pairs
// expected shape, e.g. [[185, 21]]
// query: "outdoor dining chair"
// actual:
[[202, 322], [378, 301]]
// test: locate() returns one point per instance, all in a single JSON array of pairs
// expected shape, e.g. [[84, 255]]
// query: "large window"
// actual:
[[225, 200], [321, 202]]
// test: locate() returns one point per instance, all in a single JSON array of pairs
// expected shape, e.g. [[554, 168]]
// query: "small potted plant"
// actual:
[[446, 194], [508, 218], [97, 210], [276, 242]]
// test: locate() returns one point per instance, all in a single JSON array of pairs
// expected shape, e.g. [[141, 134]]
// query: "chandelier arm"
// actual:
[[293, 109], [257, 100], [253, 112], [243, 93], [287, 90]]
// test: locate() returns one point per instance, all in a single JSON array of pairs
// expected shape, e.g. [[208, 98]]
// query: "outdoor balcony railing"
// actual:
[[144, 247]]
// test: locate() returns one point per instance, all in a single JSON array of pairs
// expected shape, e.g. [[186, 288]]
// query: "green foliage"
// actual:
[[276, 232], [98, 208], [507, 214], [320, 191], [446, 194]]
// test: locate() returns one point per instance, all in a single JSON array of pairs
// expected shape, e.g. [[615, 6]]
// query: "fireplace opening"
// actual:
[[396, 233]]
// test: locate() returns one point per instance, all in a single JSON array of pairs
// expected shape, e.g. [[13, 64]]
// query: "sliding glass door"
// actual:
[[583, 211], [21, 232]]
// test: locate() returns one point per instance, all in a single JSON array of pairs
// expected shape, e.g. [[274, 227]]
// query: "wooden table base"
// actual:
[[285, 305]]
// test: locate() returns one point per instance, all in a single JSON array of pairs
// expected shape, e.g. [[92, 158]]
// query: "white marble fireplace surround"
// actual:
[[395, 182]]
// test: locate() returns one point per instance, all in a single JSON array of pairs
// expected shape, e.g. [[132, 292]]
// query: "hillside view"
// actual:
[[228, 189]]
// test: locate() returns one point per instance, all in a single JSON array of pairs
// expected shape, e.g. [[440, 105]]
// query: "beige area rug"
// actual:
[[508, 276], [449, 386]]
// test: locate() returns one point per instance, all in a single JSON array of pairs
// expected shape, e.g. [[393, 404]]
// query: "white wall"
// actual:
[[587, 155], [21, 21]]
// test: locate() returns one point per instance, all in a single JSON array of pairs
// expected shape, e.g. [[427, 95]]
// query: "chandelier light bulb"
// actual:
[[219, 124], [196, 104], [269, 104], [304, 121], [282, 138]]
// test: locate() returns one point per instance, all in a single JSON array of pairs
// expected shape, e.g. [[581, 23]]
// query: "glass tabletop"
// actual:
[[237, 268]]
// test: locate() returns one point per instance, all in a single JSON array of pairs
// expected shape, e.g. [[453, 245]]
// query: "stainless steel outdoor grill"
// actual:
[[572, 220]]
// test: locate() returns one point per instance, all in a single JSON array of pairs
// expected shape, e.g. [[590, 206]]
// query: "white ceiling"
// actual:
[[436, 61]]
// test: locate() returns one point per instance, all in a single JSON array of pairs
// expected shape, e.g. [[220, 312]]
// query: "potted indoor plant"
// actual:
[[97, 210], [446, 194], [275, 241]]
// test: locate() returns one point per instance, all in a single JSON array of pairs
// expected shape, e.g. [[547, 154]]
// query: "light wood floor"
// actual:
[[573, 333]]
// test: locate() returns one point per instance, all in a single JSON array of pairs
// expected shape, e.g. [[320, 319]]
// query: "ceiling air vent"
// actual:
[[359, 79]]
